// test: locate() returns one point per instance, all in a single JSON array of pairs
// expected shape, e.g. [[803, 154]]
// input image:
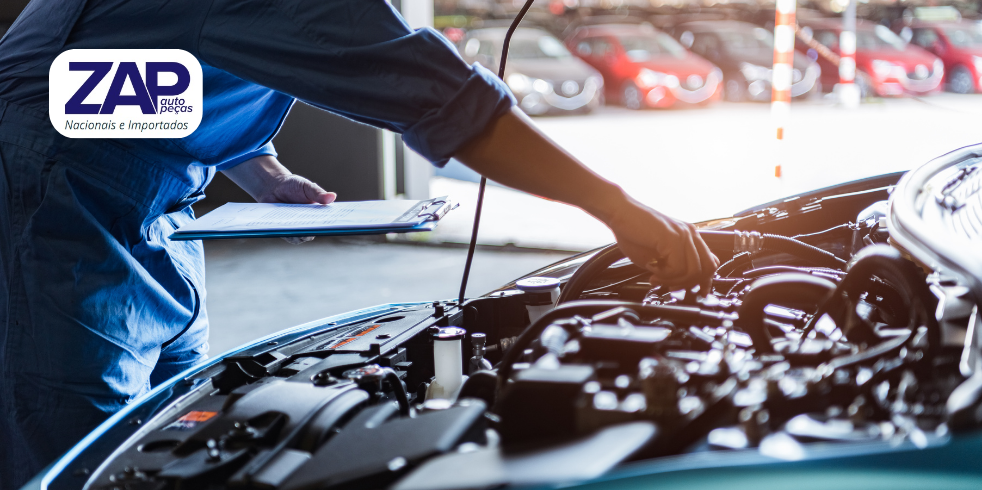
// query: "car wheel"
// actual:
[[631, 96], [735, 91], [960, 81]]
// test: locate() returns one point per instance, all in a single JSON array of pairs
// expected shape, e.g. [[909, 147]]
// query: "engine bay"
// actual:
[[819, 331]]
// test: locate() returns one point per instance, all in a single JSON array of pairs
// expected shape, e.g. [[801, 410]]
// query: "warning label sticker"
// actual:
[[349, 338], [191, 420]]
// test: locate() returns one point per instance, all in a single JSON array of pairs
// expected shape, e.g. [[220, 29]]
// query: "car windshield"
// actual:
[[543, 47], [751, 40], [643, 48], [964, 37], [879, 38]]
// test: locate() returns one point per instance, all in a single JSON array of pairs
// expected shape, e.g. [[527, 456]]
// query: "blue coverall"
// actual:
[[96, 304]]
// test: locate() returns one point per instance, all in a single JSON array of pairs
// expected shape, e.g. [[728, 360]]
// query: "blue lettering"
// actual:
[[155, 90], [128, 69], [99, 71]]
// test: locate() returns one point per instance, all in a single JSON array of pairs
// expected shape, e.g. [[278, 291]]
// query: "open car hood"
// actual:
[[839, 344]]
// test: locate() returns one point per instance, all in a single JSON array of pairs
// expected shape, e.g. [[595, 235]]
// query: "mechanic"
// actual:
[[98, 306]]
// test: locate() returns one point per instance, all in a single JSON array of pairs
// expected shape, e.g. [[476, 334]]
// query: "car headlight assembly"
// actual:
[[884, 69], [651, 78], [753, 72], [518, 83]]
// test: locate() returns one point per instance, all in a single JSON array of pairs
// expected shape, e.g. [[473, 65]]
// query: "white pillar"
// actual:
[[848, 91], [416, 170]]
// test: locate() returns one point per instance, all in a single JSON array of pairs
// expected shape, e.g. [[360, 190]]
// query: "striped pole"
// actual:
[[848, 91], [781, 77]]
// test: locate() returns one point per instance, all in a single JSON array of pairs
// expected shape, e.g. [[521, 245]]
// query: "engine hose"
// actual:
[[788, 289], [586, 272], [908, 280], [591, 308], [753, 242], [717, 240], [738, 261]]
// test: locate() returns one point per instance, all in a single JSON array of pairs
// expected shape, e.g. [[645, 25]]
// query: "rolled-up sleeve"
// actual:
[[358, 59], [266, 149]]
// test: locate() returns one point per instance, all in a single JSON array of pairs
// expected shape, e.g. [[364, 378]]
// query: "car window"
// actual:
[[704, 43], [743, 41], [646, 47], [585, 47], [879, 38], [964, 37], [542, 47], [829, 39], [486, 48], [925, 38]]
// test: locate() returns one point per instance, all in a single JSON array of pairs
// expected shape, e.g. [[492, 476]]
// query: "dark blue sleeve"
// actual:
[[358, 59], [266, 149]]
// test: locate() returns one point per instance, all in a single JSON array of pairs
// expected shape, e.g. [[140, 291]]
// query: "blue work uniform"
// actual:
[[96, 304]]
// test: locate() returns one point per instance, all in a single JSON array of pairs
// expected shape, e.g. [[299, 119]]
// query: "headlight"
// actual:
[[518, 83], [650, 78], [541, 86], [754, 72], [884, 69]]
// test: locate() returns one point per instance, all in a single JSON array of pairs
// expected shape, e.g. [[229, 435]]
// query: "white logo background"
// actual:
[[178, 116]]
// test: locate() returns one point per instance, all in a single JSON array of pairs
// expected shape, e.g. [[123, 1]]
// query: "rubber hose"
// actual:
[[902, 275], [790, 288], [585, 273]]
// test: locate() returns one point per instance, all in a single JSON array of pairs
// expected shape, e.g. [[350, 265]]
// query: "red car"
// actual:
[[644, 67], [886, 65], [959, 44]]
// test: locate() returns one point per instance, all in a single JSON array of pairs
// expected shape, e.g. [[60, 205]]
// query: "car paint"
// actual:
[[706, 41], [953, 56], [608, 56], [828, 31], [553, 85]]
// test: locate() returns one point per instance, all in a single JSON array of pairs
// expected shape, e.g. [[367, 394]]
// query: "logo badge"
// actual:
[[125, 93]]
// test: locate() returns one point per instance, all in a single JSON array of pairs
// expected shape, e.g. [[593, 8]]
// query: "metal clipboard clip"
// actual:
[[437, 209]]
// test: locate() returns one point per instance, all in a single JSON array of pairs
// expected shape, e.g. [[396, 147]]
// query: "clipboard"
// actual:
[[256, 220]]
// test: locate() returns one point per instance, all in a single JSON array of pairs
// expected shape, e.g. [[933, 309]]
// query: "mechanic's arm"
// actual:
[[513, 152]]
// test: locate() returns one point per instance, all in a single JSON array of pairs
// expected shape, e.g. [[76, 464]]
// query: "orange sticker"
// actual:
[[190, 420]]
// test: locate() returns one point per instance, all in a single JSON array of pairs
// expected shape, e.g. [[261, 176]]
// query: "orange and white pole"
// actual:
[[781, 75], [848, 91]]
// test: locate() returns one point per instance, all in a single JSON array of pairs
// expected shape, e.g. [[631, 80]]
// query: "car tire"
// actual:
[[735, 91], [960, 81], [631, 97]]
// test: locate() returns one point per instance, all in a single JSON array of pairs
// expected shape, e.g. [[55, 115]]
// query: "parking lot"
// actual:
[[695, 164]]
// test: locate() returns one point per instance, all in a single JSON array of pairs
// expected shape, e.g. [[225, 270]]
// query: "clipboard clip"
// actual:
[[437, 209]]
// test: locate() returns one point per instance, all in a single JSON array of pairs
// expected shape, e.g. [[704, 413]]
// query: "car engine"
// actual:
[[829, 324]]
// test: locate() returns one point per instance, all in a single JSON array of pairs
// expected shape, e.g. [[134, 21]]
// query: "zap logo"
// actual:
[[125, 93]]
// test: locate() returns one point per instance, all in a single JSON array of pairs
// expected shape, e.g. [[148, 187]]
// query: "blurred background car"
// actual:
[[886, 65], [959, 45], [745, 53], [544, 76], [644, 67]]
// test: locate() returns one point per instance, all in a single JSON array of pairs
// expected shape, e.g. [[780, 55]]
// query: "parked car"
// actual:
[[745, 53], [886, 65], [959, 45], [644, 67], [544, 76], [847, 358]]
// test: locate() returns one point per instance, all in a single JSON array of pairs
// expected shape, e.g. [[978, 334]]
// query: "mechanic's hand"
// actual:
[[671, 250], [294, 189]]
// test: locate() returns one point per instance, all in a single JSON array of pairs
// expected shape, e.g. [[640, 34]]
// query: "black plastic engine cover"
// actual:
[[541, 403], [374, 449]]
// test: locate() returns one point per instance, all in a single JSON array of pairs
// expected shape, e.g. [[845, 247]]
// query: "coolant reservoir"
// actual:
[[448, 363], [541, 294]]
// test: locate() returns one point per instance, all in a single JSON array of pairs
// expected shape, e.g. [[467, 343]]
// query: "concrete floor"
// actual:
[[257, 287]]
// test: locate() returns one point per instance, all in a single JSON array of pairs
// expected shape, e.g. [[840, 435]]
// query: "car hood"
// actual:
[[690, 65], [908, 58], [552, 69]]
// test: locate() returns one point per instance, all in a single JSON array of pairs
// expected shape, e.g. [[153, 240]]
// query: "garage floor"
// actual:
[[257, 287]]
